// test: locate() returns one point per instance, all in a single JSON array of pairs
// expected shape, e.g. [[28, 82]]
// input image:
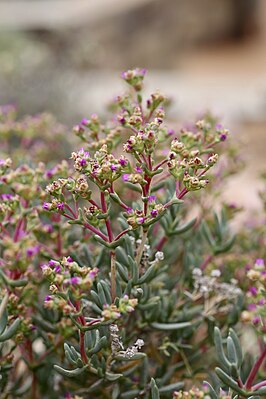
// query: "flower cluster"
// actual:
[[184, 161], [125, 305], [138, 217], [118, 347], [134, 78], [193, 393], [5, 164], [133, 350], [208, 285], [146, 138], [67, 276], [9, 203], [102, 167], [95, 134], [196, 393], [218, 296], [255, 312]]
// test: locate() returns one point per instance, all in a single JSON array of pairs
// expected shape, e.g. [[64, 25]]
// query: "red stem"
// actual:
[[259, 385], [149, 115], [255, 369], [83, 353], [121, 203], [17, 230], [161, 243], [94, 203], [180, 196], [205, 263], [160, 164], [71, 211], [89, 227], [96, 231], [107, 221], [121, 234], [240, 383], [67, 216], [183, 193], [150, 162]]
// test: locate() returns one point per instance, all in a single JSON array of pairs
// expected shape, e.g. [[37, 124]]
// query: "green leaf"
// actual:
[[239, 353], [112, 376], [260, 391], [136, 356], [172, 387], [98, 346], [207, 234], [101, 294], [101, 241], [13, 283], [121, 256], [129, 248], [144, 372], [68, 355], [226, 247], [231, 350], [182, 229], [96, 299], [148, 275], [3, 321], [134, 270], [107, 289], [218, 227], [219, 349], [122, 272], [130, 394], [70, 373], [92, 388], [154, 390], [22, 389], [44, 324], [229, 382], [170, 326], [74, 353], [212, 392], [89, 338], [11, 330]]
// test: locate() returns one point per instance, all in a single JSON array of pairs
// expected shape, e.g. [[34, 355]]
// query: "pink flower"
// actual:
[[252, 306], [84, 122], [126, 177], [253, 291], [151, 199], [47, 206], [154, 213], [48, 298], [60, 206], [32, 251], [123, 161]]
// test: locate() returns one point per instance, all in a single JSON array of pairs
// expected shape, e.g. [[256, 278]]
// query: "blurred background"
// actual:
[[65, 57]]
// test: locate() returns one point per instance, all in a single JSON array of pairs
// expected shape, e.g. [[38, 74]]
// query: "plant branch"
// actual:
[[255, 369]]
